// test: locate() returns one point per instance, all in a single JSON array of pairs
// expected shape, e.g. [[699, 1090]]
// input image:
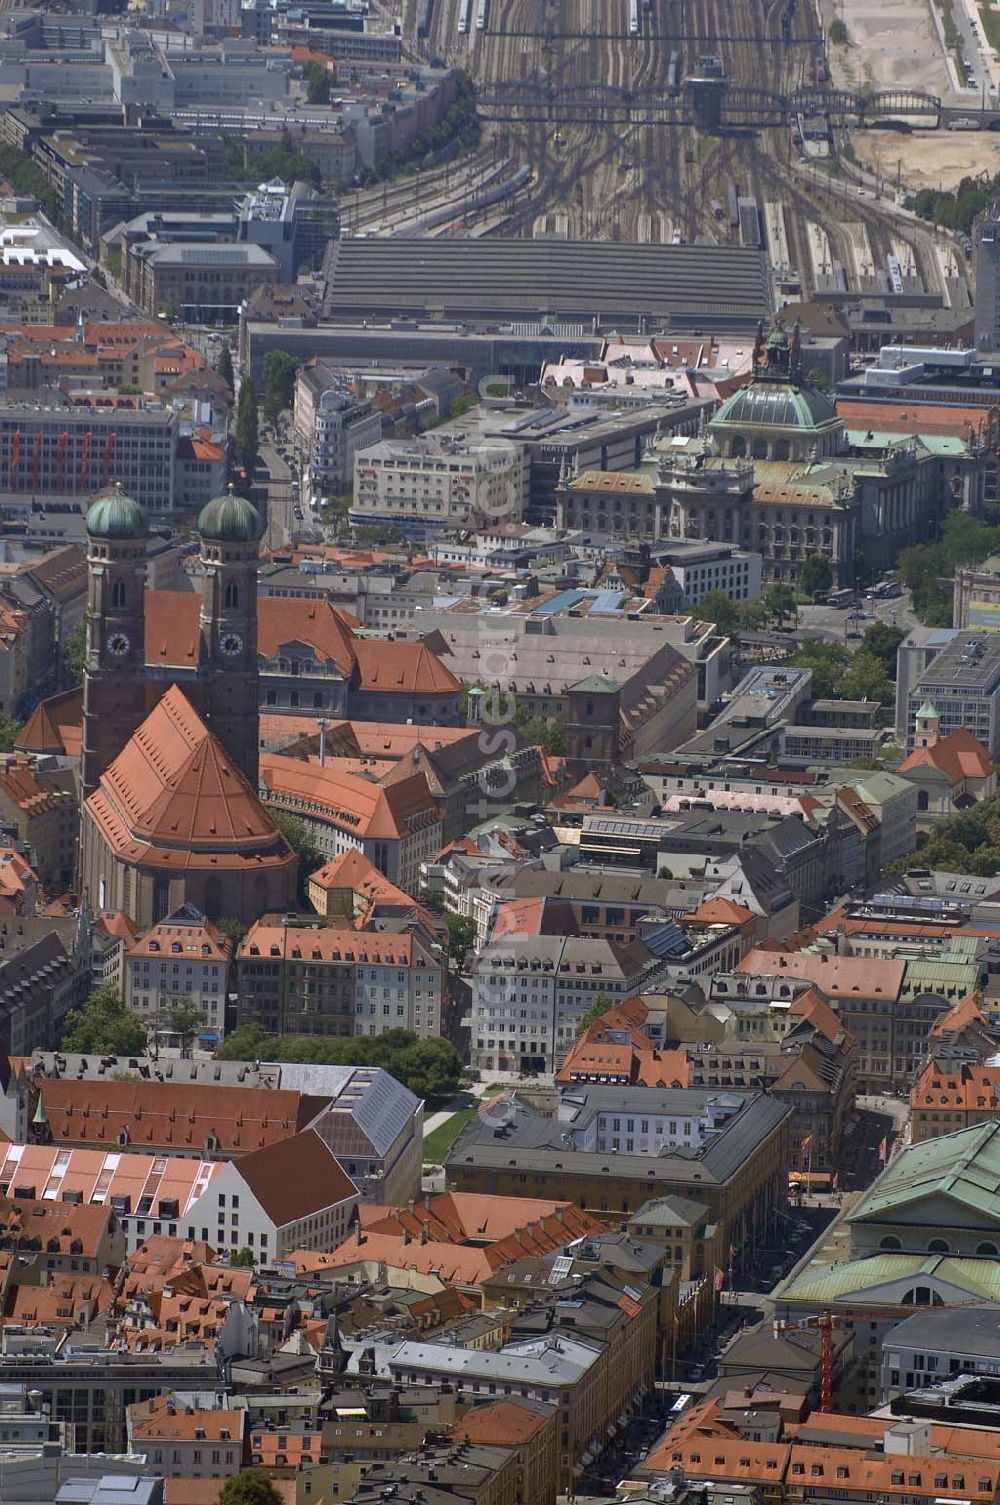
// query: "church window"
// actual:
[[118, 594], [232, 594]]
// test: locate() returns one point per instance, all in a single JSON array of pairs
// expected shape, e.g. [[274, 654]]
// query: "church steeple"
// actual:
[[230, 528], [41, 1129], [114, 686]]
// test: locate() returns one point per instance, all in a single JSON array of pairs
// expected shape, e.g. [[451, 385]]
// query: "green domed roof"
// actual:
[[230, 519], [115, 515], [776, 404]]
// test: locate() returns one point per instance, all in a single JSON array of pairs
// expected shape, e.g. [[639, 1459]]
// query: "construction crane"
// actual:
[[825, 1322]]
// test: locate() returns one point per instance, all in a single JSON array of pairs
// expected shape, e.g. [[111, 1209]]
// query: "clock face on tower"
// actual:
[[118, 644], [232, 644]]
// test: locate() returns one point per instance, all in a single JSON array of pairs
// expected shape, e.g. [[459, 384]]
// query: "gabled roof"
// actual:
[[172, 631], [174, 790], [837, 976], [963, 1167], [510, 1422], [406, 668], [187, 937], [959, 756], [371, 810], [172, 1115], [964, 1085], [296, 1178], [290, 619], [55, 725]]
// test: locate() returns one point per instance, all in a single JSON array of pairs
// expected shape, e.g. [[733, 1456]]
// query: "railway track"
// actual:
[[644, 176]]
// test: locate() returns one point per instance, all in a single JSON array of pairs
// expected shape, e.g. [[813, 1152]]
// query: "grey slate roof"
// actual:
[[530, 278], [975, 1332], [533, 1142]]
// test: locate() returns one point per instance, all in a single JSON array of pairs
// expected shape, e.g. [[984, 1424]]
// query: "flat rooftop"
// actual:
[[970, 661], [611, 282]]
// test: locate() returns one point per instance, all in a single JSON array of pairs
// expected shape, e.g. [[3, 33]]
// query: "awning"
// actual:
[[208, 1034]]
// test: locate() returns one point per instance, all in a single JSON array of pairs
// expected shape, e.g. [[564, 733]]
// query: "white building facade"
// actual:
[[432, 482], [530, 991], [182, 958]]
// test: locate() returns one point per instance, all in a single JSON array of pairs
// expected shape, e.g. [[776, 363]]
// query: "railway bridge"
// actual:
[[715, 104]]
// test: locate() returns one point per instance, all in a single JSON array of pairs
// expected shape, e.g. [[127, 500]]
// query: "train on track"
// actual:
[[633, 18], [464, 7], [486, 197], [674, 79], [750, 223], [482, 14], [424, 8]]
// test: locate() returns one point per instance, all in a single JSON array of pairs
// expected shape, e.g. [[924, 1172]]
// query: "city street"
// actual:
[[281, 497], [836, 623]]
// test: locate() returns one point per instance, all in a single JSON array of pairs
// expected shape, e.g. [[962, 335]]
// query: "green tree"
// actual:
[[837, 32], [248, 1042], [866, 679], [247, 426], [827, 661], [233, 928], [10, 730], [432, 1069], [104, 1026], [246, 163], [183, 1018], [600, 1005], [780, 602], [278, 382], [225, 366], [715, 606], [882, 641], [243, 1259], [431, 899], [303, 844], [75, 653], [251, 1486], [461, 938], [319, 83], [752, 615], [540, 731], [965, 843], [817, 575]]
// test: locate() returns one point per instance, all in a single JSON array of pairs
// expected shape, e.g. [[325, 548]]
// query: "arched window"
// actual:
[[118, 594], [738, 448], [986, 1248], [890, 1243], [759, 451], [938, 1246], [232, 594], [213, 898], [781, 449]]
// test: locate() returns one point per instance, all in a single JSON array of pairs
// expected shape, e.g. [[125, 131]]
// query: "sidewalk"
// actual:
[[478, 1089]]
